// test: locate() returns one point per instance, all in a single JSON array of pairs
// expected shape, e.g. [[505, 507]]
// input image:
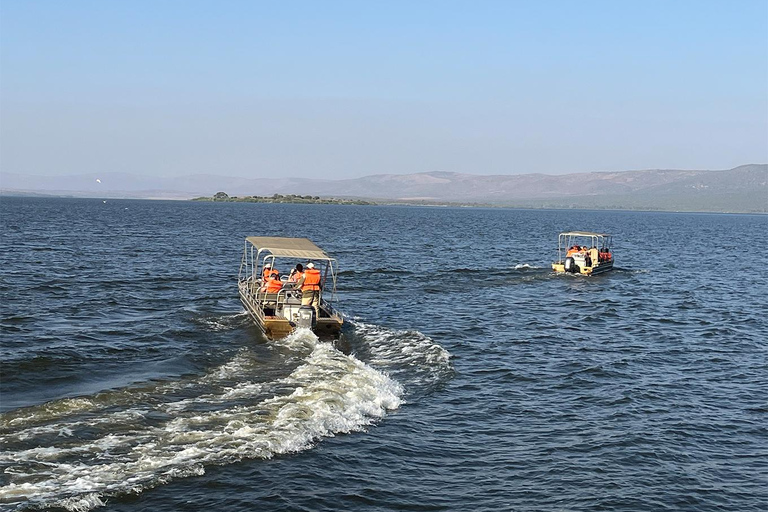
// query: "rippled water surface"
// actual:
[[470, 376]]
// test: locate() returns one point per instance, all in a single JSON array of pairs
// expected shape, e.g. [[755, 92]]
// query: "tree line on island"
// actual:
[[279, 198]]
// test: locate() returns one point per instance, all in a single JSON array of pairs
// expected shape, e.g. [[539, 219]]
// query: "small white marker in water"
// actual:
[[104, 201], [98, 180]]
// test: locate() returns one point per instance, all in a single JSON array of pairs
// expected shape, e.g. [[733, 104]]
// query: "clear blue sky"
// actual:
[[343, 89]]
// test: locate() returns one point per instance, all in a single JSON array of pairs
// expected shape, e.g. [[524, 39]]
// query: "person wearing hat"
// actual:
[[309, 284], [267, 271]]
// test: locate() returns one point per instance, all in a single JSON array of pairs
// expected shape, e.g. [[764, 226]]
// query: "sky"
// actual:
[[342, 89]]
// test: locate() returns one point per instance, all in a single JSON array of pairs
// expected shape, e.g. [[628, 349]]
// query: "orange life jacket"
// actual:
[[573, 250], [311, 279], [267, 272], [295, 277], [274, 285]]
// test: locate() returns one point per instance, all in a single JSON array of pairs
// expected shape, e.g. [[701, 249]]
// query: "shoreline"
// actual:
[[356, 202]]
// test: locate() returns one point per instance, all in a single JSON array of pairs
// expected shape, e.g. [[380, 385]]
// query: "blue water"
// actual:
[[470, 378]]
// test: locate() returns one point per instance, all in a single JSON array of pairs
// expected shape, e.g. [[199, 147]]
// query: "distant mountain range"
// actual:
[[742, 189]]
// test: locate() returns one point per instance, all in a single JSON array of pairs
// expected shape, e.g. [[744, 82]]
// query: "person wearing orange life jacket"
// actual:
[[274, 284], [267, 272], [310, 287]]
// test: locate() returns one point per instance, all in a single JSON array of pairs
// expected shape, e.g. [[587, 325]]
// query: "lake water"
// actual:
[[474, 379]]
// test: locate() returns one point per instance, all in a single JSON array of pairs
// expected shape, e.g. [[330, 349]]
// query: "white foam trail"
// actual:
[[225, 322], [300, 340], [521, 266], [327, 394], [412, 357], [68, 408]]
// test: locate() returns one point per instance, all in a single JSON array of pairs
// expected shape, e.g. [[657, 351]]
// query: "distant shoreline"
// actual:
[[392, 202], [222, 197], [742, 189]]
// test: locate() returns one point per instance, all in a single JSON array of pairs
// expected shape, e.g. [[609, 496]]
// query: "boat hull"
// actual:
[[601, 268], [277, 327]]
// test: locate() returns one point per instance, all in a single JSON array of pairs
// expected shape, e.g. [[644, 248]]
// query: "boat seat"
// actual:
[[268, 298]]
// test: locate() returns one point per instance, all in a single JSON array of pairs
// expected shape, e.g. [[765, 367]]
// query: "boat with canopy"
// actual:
[[277, 306], [584, 253]]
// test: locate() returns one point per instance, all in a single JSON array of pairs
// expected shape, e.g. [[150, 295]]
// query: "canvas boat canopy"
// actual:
[[302, 248], [583, 233]]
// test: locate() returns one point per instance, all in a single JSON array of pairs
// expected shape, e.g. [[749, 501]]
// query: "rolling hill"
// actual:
[[741, 189]]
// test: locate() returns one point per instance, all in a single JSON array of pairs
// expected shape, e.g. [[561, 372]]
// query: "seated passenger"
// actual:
[[296, 273], [273, 284], [267, 272]]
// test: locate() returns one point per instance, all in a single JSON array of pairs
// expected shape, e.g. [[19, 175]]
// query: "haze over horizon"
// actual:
[[348, 89]]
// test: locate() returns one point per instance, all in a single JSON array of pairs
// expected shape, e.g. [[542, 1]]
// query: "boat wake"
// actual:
[[412, 358], [526, 266], [223, 322], [76, 453]]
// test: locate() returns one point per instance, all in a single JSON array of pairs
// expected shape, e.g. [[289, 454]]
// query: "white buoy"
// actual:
[[98, 180]]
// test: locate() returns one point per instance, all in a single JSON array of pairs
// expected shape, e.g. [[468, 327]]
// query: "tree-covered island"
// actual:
[[223, 197]]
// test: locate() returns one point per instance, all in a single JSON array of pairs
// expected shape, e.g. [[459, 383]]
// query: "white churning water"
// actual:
[[73, 453], [409, 356]]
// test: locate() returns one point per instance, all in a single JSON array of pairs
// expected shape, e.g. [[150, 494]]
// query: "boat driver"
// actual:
[[309, 283]]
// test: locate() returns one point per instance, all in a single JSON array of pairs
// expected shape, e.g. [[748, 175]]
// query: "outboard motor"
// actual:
[[306, 317], [569, 265]]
